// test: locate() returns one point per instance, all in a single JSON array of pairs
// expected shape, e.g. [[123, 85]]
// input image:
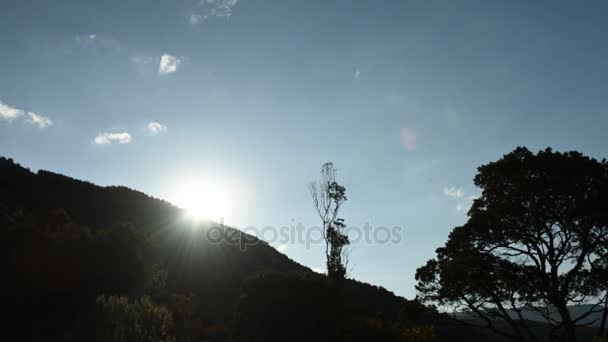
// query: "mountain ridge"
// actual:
[[214, 272]]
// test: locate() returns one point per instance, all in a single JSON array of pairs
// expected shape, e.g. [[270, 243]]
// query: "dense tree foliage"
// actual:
[[536, 240]]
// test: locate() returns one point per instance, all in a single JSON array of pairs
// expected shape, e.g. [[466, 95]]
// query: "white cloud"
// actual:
[[38, 120], [10, 113], [156, 128], [463, 201], [213, 8], [453, 192], [281, 248], [357, 74], [168, 64], [318, 270], [163, 65], [109, 138]]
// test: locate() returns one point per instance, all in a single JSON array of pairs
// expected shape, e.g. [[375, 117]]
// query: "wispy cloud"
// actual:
[[145, 64], [155, 128], [212, 8], [142, 60], [95, 41], [168, 64], [221, 8], [453, 192], [357, 74], [107, 138], [10, 113], [196, 18], [38, 120], [86, 38], [463, 201]]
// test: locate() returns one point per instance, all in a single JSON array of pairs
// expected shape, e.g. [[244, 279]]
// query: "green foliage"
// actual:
[[139, 321]]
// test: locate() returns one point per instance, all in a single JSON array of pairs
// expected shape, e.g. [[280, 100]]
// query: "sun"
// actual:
[[203, 200]]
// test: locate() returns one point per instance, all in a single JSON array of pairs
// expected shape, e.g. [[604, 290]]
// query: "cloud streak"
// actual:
[[38, 120], [10, 113], [107, 138], [212, 8]]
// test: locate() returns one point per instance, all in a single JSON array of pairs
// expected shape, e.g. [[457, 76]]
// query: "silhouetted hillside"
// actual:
[[84, 261], [66, 241]]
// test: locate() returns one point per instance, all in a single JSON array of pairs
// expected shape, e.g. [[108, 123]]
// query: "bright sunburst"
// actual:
[[203, 200]]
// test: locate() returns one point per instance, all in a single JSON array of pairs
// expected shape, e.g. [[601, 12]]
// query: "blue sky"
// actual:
[[406, 98]]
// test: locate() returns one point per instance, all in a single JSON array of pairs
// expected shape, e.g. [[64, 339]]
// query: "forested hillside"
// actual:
[[67, 242]]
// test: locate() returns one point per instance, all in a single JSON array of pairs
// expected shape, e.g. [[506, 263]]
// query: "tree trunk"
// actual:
[[569, 333], [603, 323]]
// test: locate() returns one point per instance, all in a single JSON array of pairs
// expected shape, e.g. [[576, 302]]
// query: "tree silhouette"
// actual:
[[536, 240], [328, 197]]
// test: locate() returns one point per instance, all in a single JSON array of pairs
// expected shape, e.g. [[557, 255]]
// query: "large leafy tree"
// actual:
[[535, 242]]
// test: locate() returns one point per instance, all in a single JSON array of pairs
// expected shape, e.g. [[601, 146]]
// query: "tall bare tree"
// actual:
[[328, 197]]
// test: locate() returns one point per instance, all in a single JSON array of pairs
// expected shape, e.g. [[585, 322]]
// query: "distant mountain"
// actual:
[[592, 320], [539, 325]]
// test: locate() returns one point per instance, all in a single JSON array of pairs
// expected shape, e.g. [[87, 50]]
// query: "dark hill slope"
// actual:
[[66, 241], [87, 204]]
